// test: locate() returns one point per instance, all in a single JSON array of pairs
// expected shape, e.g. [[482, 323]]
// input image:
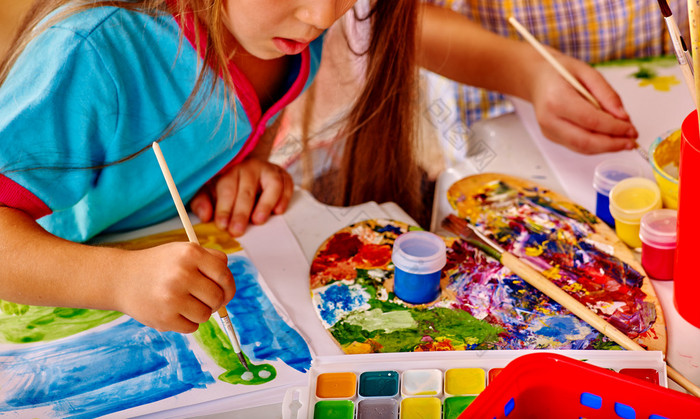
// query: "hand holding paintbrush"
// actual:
[[192, 236], [563, 72], [535, 278]]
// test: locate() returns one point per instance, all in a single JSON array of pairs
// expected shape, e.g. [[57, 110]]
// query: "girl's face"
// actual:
[[269, 29]]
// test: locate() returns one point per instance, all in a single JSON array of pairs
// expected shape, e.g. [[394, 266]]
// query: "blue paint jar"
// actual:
[[418, 257], [608, 174]]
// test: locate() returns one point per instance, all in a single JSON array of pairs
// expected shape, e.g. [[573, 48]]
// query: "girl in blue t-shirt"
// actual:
[[89, 85]]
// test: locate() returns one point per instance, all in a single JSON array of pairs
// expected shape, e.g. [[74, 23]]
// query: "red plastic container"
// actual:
[[547, 385], [686, 281]]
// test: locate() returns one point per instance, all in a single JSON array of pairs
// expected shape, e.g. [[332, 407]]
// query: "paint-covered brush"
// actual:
[[192, 236], [535, 278]]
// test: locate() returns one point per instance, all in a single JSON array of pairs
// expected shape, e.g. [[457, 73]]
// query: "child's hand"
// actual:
[[250, 190], [569, 119], [174, 287]]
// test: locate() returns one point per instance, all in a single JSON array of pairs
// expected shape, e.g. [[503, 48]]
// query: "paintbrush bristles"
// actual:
[[466, 232]]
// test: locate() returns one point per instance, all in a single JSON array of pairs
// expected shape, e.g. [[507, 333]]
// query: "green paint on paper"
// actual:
[[216, 344], [644, 73], [21, 323], [377, 320], [662, 61]]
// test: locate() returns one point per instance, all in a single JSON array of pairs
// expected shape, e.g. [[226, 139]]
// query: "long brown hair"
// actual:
[[378, 160]]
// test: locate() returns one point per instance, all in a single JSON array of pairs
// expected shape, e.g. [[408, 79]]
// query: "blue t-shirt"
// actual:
[[101, 85]]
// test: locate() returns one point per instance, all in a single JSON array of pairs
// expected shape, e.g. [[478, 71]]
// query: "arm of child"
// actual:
[[172, 287], [453, 46]]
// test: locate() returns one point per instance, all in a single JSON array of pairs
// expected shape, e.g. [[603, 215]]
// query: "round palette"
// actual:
[[482, 304], [569, 245]]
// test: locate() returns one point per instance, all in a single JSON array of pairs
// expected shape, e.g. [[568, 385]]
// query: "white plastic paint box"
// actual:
[[431, 384]]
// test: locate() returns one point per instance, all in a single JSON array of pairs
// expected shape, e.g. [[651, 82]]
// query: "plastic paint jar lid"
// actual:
[[633, 197], [418, 257], [419, 252], [658, 228], [609, 172]]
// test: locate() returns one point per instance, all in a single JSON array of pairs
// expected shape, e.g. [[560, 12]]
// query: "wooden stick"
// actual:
[[563, 72], [553, 61], [693, 16], [685, 61], [192, 236], [539, 281], [536, 279]]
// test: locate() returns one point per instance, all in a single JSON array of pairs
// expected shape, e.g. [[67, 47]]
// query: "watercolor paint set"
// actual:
[[437, 384]]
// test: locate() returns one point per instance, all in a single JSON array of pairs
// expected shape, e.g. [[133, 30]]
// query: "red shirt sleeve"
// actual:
[[16, 196]]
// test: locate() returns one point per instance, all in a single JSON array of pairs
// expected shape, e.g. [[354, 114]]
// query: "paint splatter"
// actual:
[[263, 334], [552, 237], [335, 301], [661, 83], [360, 309], [104, 371], [26, 324]]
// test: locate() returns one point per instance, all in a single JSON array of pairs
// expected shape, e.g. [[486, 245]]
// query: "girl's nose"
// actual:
[[320, 14]]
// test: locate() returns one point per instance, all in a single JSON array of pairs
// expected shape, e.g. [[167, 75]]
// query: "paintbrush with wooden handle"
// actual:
[[535, 278], [192, 236], [573, 81]]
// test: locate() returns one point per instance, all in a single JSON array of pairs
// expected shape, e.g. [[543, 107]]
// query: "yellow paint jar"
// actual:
[[664, 156], [630, 199]]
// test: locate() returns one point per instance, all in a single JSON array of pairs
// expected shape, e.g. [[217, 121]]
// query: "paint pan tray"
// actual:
[[443, 384]]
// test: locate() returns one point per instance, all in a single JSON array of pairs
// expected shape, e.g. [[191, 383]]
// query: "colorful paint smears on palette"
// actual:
[[57, 362], [563, 241], [352, 285], [483, 305]]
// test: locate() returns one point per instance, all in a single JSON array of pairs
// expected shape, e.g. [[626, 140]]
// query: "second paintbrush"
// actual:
[[192, 236]]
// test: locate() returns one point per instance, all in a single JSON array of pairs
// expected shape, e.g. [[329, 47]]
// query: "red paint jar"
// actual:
[[657, 230]]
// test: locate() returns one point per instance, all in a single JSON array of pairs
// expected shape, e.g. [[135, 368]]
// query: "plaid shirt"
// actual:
[[591, 30]]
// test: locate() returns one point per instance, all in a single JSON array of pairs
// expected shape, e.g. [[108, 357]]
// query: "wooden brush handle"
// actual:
[[539, 281]]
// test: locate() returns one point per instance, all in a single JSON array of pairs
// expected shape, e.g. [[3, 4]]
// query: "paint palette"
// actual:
[[429, 384]]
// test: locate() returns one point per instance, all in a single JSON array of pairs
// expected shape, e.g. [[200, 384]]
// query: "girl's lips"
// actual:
[[289, 46]]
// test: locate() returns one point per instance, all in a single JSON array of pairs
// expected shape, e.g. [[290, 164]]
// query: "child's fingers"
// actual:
[[226, 194], [180, 324], [244, 202], [273, 193], [607, 97], [201, 206], [578, 111], [220, 286], [194, 310], [580, 140], [209, 293], [287, 192]]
